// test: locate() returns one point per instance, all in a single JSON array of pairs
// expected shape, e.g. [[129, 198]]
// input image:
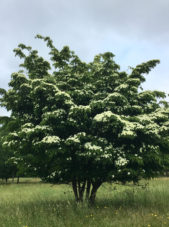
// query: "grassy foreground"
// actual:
[[34, 204]]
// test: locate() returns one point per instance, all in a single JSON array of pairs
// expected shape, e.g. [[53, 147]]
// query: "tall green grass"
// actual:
[[34, 204]]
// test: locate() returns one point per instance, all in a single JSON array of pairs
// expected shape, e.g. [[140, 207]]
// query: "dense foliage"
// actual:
[[85, 123]]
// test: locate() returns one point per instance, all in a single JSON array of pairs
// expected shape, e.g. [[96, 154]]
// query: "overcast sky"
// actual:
[[134, 30]]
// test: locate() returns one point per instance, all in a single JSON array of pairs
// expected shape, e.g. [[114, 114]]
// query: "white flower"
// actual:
[[121, 161], [91, 147], [51, 140], [72, 140], [105, 116]]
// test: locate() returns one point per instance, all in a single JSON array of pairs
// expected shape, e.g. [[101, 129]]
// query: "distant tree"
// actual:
[[85, 123], [7, 166], [12, 164]]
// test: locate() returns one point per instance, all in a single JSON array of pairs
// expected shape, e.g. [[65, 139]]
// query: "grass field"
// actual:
[[34, 204]]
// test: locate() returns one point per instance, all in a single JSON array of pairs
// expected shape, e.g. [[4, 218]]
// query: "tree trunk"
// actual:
[[17, 180], [88, 189], [92, 198], [74, 186], [78, 190], [81, 191]]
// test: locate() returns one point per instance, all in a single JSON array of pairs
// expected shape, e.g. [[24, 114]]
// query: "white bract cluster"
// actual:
[[62, 94], [28, 125], [128, 129], [133, 81], [145, 119], [14, 134], [9, 143], [27, 128], [152, 129], [27, 117], [164, 128], [147, 148], [51, 140], [116, 97], [68, 102], [83, 93], [19, 75], [75, 110], [57, 113], [107, 153], [159, 115], [53, 174], [25, 85], [105, 116], [97, 104], [91, 147], [121, 162], [73, 140], [146, 95], [122, 87], [136, 108], [39, 88]]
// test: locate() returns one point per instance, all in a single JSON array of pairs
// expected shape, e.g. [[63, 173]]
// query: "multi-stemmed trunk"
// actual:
[[88, 186]]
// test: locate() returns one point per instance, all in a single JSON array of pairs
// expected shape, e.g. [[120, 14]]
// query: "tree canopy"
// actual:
[[85, 123]]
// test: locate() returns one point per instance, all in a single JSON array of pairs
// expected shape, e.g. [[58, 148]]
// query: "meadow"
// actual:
[[35, 204]]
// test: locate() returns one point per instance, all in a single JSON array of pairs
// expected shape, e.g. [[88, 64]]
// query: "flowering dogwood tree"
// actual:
[[86, 123]]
